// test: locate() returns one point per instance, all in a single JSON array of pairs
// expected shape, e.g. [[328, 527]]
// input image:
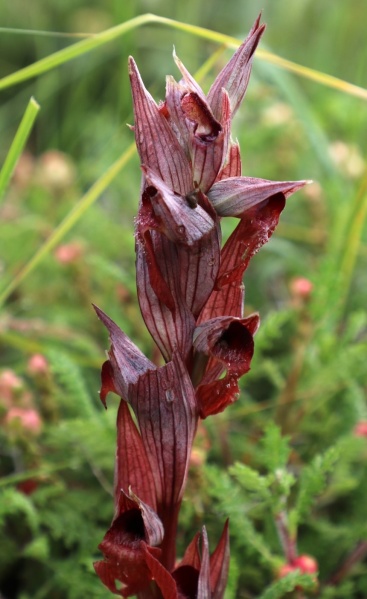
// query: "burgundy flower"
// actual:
[[191, 297]]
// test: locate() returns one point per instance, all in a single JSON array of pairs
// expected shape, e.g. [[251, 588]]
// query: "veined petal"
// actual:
[[131, 461], [232, 166], [228, 342], [216, 396], [253, 231], [168, 273], [204, 575], [199, 576], [219, 565], [124, 546], [162, 577], [162, 302], [127, 362], [165, 406], [152, 531], [173, 108], [157, 144], [235, 75], [188, 80], [181, 223], [235, 195], [209, 153], [197, 111]]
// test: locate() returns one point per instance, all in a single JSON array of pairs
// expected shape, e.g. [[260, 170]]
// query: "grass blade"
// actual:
[[89, 44], [18, 144]]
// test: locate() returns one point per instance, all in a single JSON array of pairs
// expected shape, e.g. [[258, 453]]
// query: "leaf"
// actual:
[[251, 480], [275, 448], [287, 584], [312, 483]]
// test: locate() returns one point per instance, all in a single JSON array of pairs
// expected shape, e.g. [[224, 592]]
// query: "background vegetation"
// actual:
[[308, 375]]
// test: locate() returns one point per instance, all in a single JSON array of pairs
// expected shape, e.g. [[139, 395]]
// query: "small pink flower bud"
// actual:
[[306, 563], [284, 570], [9, 380], [37, 364], [10, 386], [301, 288], [28, 418], [68, 253], [360, 429]]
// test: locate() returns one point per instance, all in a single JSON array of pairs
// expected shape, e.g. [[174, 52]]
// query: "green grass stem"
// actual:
[[353, 240], [91, 43], [18, 144]]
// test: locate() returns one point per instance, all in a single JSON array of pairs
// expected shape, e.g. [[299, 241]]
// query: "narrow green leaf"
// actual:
[[18, 144], [86, 45]]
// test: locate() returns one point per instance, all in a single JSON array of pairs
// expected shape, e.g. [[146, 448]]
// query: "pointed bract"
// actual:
[[127, 362], [157, 145], [253, 231], [181, 223], [235, 75], [131, 460], [165, 406], [233, 196]]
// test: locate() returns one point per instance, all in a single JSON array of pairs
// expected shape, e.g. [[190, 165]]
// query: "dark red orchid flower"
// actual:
[[191, 297]]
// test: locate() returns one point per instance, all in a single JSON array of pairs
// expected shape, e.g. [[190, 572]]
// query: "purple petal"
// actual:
[[232, 166], [175, 116], [219, 565], [229, 343], [164, 403], [235, 75], [150, 528], [168, 273], [229, 340], [253, 231], [162, 303], [209, 154], [126, 362], [233, 196], [204, 575], [188, 80], [157, 144], [162, 577], [181, 223], [131, 461], [124, 546]]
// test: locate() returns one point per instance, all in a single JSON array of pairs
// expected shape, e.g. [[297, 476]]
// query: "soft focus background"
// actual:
[[309, 370]]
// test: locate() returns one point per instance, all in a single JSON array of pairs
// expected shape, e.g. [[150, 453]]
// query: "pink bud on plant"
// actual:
[[27, 418], [360, 429], [38, 364]]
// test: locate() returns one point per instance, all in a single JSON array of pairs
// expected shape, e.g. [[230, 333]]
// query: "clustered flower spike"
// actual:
[[191, 297]]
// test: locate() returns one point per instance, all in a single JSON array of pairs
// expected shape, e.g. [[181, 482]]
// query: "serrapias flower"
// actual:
[[191, 179], [191, 296]]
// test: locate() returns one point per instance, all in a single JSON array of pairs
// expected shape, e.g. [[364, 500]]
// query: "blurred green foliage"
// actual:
[[308, 375]]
